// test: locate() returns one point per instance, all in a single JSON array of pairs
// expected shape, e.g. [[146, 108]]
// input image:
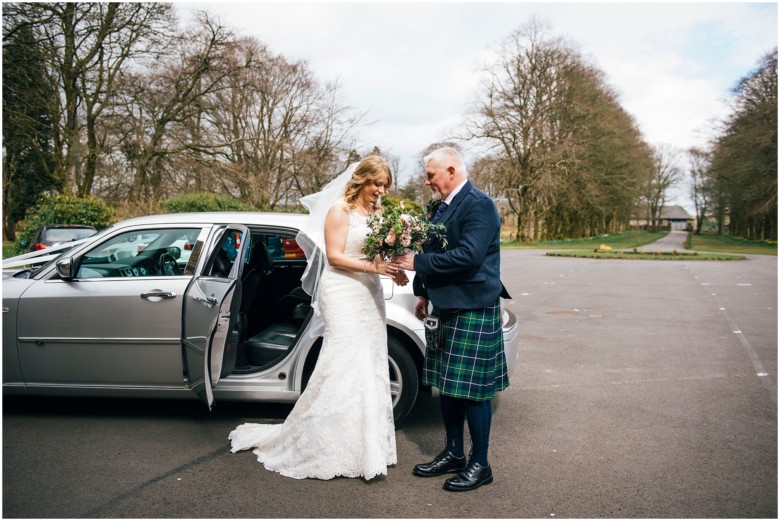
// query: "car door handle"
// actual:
[[212, 301], [159, 294]]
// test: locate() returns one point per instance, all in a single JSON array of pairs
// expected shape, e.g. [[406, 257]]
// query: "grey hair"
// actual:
[[447, 155]]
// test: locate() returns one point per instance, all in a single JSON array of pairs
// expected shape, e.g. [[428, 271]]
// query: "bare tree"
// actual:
[[666, 175], [278, 132], [700, 191], [514, 114], [141, 111], [744, 157], [160, 102], [139, 31], [87, 45], [564, 155]]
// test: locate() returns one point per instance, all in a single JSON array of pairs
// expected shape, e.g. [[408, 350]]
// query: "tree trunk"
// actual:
[[90, 168]]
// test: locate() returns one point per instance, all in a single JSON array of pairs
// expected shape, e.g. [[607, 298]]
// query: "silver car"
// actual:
[[185, 305]]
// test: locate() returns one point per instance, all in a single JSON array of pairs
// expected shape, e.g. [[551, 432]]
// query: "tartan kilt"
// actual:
[[471, 364]]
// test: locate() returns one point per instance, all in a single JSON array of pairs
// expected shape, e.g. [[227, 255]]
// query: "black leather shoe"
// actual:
[[441, 464], [473, 476]]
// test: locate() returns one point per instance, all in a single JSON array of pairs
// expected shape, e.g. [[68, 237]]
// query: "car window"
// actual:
[[35, 270], [162, 252], [66, 234], [282, 247], [226, 253]]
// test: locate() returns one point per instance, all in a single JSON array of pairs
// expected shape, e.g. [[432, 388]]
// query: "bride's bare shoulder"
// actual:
[[339, 210], [339, 206]]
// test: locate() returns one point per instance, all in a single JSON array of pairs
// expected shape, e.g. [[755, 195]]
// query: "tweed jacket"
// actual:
[[465, 274]]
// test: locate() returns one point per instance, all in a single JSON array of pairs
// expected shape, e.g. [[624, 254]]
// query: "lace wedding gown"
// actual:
[[342, 424]]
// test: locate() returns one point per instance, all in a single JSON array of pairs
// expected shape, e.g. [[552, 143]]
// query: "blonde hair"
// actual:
[[369, 169]]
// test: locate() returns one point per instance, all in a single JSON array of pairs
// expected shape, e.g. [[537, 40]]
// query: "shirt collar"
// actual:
[[457, 189]]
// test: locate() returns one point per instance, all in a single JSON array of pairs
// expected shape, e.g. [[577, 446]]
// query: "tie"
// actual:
[[439, 210]]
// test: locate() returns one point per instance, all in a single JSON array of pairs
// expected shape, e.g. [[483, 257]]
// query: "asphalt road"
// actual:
[[644, 389], [674, 240]]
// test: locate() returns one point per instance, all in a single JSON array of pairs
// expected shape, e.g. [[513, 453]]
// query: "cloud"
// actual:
[[415, 66]]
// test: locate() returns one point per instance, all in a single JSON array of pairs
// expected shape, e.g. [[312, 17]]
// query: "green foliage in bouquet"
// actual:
[[391, 204], [398, 230]]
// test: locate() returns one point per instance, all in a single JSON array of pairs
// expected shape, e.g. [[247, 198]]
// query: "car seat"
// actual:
[[259, 267], [222, 264], [276, 340]]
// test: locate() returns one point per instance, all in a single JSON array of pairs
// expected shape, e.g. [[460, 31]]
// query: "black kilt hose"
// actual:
[[471, 364]]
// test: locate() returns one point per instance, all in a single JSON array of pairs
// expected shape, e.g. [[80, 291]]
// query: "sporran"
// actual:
[[434, 332]]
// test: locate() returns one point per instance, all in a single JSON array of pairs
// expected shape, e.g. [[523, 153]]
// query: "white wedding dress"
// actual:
[[342, 424]]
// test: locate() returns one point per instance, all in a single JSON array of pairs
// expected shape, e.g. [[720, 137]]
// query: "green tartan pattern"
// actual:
[[471, 364]]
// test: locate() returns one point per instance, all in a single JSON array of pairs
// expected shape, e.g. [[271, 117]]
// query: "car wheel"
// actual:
[[404, 382]]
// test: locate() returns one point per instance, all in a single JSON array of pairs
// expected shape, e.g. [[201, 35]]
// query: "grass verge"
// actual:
[[714, 242], [616, 241], [660, 255], [9, 249]]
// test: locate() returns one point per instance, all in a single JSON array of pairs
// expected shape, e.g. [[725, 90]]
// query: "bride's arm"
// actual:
[[336, 229]]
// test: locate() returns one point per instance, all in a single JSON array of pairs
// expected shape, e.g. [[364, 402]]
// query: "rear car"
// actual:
[[54, 234]]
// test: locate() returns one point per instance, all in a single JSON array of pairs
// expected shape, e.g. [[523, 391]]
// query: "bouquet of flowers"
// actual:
[[395, 232]]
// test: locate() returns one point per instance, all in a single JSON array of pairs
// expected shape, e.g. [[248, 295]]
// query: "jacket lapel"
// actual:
[[456, 202]]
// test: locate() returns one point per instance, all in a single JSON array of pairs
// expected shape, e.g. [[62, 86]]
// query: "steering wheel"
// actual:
[[168, 265]]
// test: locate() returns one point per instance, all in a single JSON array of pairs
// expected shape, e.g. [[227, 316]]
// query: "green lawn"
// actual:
[[707, 242], [713, 242], [616, 241], [9, 249], [591, 254]]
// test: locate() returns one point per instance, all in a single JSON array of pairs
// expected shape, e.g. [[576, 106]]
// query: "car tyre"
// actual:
[[404, 380]]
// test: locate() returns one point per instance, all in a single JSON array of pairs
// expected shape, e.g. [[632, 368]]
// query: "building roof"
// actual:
[[668, 212], [675, 212]]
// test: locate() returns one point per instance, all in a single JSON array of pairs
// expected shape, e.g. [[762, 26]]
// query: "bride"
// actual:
[[342, 424]]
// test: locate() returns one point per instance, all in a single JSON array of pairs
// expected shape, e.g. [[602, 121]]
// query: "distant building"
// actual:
[[508, 218], [673, 217]]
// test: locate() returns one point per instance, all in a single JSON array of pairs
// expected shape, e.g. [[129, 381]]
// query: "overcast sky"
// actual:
[[414, 66]]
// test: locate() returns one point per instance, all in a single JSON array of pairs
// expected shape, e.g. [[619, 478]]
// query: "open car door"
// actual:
[[211, 306]]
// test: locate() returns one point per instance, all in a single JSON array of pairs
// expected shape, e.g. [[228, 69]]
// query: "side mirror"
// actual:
[[174, 251], [65, 268]]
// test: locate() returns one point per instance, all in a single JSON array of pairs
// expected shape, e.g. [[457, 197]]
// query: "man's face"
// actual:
[[437, 177]]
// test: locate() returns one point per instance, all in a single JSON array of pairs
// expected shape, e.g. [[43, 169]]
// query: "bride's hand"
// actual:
[[401, 278], [385, 268]]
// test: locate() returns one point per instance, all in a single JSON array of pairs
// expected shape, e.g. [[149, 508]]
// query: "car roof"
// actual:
[[50, 226], [293, 220], [272, 219]]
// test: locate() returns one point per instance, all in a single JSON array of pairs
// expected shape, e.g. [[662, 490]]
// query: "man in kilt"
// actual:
[[462, 283]]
